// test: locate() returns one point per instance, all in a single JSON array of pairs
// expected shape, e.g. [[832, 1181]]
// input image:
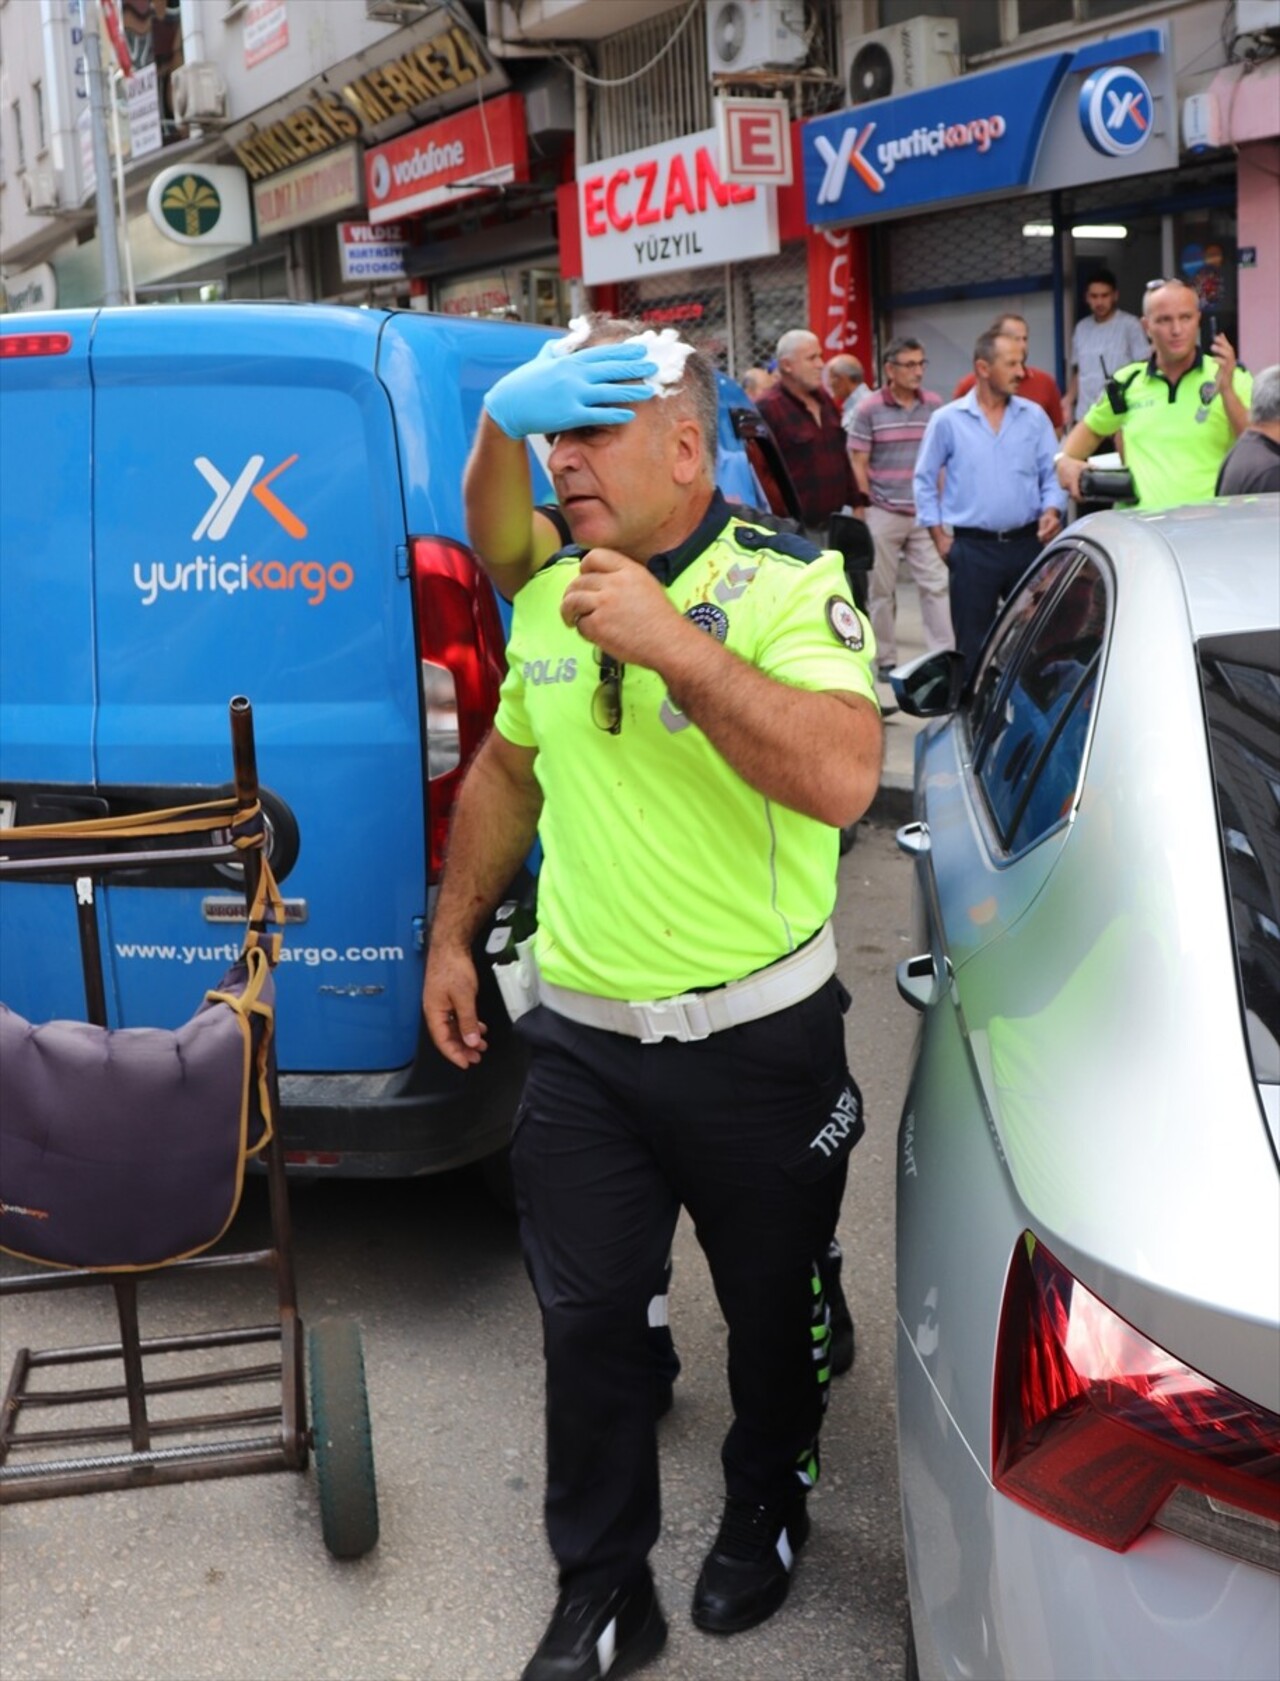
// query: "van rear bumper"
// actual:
[[427, 1118]]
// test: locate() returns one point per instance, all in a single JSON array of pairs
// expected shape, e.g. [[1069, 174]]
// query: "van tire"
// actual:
[[341, 1439]]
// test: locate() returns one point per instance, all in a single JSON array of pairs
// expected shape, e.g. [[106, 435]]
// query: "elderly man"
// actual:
[[1178, 412], [1253, 466], [1000, 501], [807, 426], [756, 381], [848, 386], [710, 722]]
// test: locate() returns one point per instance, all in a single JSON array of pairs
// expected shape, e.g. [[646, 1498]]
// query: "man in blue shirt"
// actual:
[[1000, 500]]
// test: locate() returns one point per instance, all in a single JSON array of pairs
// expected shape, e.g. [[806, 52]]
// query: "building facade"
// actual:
[[495, 157]]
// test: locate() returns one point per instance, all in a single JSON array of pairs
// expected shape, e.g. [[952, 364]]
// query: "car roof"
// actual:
[[1228, 556]]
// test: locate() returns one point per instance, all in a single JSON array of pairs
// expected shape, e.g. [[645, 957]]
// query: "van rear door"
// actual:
[[46, 630], [250, 539]]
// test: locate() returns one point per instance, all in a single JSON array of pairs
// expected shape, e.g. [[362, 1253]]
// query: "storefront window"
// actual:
[[1204, 250], [1108, 8], [979, 19], [1041, 14], [267, 280]]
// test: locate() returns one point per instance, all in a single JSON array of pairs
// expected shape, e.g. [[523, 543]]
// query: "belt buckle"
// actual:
[[683, 1018]]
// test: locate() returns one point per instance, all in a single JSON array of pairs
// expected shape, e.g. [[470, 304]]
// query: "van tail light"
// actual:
[[1101, 1431], [460, 646], [34, 344]]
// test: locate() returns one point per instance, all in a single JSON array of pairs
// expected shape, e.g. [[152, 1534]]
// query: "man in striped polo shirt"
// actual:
[[884, 441]]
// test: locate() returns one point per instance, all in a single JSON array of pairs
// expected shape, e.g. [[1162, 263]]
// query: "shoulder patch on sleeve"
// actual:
[[787, 543], [846, 626]]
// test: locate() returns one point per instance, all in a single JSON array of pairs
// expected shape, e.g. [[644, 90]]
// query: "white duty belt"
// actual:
[[697, 1015]]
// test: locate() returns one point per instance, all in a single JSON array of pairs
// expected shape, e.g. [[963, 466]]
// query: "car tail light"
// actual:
[[460, 646], [34, 344], [1100, 1430]]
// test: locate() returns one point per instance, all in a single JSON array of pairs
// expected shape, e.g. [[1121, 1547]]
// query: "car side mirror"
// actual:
[[849, 537], [930, 686]]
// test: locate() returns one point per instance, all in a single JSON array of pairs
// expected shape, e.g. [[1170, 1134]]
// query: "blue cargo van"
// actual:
[[263, 500]]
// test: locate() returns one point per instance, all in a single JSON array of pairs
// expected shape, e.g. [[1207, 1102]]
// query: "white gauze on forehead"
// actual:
[[666, 349]]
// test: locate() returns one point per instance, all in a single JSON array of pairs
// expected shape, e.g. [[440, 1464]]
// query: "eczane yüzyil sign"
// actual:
[[668, 207]]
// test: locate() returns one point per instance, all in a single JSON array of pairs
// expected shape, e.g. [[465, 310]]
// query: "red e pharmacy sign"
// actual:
[[668, 207], [483, 146]]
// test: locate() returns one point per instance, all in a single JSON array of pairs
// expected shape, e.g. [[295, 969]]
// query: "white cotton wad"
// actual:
[[666, 349], [579, 332], [670, 352]]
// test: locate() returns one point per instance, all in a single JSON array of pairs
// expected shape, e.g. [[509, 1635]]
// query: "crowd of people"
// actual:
[[965, 493]]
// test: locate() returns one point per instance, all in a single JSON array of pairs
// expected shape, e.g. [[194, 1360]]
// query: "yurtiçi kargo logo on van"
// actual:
[[210, 572]]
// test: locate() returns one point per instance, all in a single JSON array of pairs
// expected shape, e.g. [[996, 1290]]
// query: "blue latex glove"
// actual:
[[558, 393]]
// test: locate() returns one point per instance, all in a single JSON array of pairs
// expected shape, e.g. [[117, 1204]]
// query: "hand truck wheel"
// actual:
[[341, 1439]]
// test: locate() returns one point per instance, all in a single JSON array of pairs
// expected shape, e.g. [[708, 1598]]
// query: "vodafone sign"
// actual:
[[480, 147], [668, 207]]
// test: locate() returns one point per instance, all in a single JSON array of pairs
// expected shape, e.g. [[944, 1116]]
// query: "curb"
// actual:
[[894, 803]]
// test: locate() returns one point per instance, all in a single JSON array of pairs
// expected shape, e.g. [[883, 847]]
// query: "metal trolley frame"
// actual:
[[266, 1438]]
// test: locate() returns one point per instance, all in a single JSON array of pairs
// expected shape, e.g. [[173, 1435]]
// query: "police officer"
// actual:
[[687, 719], [1178, 413]]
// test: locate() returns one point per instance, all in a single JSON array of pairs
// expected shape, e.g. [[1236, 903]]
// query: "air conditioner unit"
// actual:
[[399, 11], [199, 94], [40, 189], [747, 35], [901, 59]]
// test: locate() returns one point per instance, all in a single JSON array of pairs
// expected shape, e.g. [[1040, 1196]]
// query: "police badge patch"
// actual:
[[714, 620], [845, 624]]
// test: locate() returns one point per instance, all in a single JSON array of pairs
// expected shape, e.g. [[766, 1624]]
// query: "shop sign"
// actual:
[[266, 30], [201, 204], [311, 191], [840, 293], [668, 207], [481, 294], [1117, 111], [1057, 121], [453, 159], [755, 139], [370, 253], [143, 98], [33, 288], [449, 62]]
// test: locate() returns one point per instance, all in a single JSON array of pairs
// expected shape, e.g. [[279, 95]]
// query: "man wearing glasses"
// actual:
[[687, 720], [883, 443]]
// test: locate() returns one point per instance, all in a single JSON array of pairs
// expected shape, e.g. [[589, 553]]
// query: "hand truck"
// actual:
[[165, 1449]]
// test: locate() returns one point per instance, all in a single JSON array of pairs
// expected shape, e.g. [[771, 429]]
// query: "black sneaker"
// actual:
[[596, 1632], [746, 1574]]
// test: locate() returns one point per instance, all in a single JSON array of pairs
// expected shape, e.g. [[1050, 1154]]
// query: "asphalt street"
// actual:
[[230, 1578]]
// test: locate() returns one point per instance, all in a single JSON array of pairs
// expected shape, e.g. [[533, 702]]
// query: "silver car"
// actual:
[[1088, 1190]]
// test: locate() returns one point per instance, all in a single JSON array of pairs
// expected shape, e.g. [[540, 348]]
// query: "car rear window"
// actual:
[[1031, 750], [1240, 679]]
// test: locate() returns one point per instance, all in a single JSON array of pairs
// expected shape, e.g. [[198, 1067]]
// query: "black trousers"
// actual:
[[983, 572], [750, 1130]]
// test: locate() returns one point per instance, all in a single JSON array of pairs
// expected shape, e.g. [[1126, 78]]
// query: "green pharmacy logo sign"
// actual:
[[191, 206]]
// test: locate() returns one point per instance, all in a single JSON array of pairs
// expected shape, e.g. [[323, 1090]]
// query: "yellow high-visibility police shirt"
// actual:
[[663, 870]]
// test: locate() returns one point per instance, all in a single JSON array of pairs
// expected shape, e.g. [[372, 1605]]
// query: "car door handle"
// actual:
[[920, 983], [913, 839]]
